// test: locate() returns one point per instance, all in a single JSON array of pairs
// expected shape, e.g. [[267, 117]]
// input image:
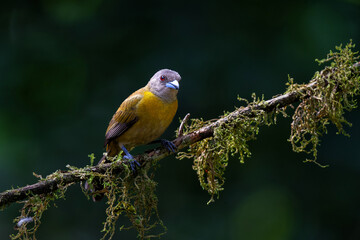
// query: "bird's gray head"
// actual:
[[165, 84]]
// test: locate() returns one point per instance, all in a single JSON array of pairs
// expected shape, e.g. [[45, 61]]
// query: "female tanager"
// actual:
[[143, 116]]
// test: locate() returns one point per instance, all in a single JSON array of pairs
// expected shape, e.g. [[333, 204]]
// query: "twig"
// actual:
[[182, 125]]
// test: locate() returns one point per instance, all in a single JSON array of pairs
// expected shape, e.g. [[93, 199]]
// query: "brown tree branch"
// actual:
[[73, 176], [76, 175]]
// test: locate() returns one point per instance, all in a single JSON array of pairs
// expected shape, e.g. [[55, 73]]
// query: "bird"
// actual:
[[141, 119]]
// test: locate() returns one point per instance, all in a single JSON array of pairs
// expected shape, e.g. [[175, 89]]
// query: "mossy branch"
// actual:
[[321, 101], [59, 178]]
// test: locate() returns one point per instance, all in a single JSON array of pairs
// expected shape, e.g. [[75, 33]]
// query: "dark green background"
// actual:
[[65, 67]]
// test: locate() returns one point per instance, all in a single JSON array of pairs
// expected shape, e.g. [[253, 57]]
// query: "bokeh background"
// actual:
[[65, 66]]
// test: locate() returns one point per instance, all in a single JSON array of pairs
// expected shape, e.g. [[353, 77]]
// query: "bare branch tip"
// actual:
[[183, 122]]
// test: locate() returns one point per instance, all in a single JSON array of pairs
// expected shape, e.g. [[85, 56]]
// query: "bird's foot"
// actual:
[[168, 145], [130, 159], [132, 162]]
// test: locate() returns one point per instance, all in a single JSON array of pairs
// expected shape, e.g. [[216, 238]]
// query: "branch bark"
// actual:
[[73, 176], [77, 175]]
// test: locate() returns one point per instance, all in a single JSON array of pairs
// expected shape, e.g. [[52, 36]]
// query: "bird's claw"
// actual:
[[130, 159], [168, 145], [132, 162]]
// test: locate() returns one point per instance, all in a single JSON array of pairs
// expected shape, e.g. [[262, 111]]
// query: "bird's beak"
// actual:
[[174, 85]]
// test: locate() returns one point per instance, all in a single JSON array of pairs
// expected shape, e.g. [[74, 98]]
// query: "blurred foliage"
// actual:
[[65, 66]]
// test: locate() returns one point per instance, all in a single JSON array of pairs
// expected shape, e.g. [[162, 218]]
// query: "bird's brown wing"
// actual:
[[124, 117]]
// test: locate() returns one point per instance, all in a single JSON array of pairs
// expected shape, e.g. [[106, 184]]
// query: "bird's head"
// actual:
[[165, 84]]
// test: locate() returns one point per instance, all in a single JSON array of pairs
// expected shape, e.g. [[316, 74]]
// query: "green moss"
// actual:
[[134, 197], [326, 102], [332, 93], [231, 138], [92, 158], [34, 208]]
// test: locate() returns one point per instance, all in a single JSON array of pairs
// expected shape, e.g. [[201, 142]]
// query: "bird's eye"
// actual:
[[162, 78]]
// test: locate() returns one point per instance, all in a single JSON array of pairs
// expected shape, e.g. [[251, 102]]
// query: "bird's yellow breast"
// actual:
[[154, 116], [154, 108]]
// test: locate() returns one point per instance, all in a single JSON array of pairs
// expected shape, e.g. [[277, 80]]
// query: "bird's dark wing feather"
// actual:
[[124, 117], [117, 130]]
